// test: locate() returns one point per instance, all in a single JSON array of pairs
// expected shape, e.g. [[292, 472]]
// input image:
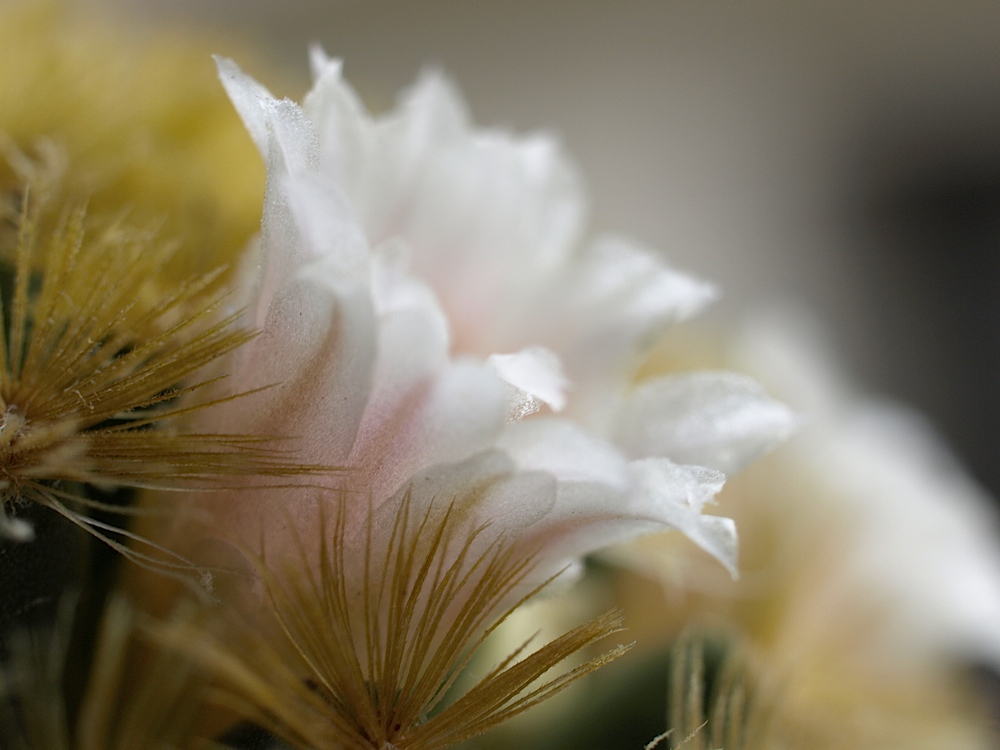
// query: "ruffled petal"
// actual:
[[486, 491], [560, 447], [347, 136], [603, 499], [361, 343], [675, 494], [534, 377], [717, 419], [600, 315], [457, 414], [316, 359]]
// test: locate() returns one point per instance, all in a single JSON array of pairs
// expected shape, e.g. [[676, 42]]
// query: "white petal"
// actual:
[[316, 359], [289, 145], [381, 162], [320, 62], [434, 108], [327, 226], [639, 284], [627, 291], [490, 216], [535, 377], [453, 416], [556, 191], [303, 220], [413, 332], [282, 133], [484, 489], [247, 95], [561, 448], [294, 145], [485, 211], [589, 516], [675, 495], [395, 289], [717, 419], [602, 313], [347, 135], [603, 499]]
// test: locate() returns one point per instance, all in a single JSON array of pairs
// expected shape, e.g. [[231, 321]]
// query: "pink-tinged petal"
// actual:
[[717, 419], [317, 354], [488, 218], [534, 377], [317, 350], [316, 359], [486, 491], [448, 418]]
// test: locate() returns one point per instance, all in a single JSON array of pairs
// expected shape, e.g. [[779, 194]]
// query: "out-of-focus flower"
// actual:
[[923, 535], [144, 130], [871, 569]]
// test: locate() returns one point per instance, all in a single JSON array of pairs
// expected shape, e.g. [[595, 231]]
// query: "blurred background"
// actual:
[[840, 156]]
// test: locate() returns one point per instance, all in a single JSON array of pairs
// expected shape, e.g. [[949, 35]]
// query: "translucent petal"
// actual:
[[718, 419]]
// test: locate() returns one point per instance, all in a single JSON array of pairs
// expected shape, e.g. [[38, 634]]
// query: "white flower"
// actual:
[[493, 224], [420, 292], [871, 569], [921, 538]]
